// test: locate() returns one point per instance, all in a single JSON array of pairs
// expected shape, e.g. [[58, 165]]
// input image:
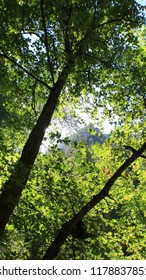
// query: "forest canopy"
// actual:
[[61, 61]]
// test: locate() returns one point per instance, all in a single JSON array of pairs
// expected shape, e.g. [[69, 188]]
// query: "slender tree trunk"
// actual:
[[68, 227], [12, 189]]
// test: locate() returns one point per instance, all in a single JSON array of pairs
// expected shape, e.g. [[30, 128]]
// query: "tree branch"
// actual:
[[25, 70], [13, 187], [66, 21], [79, 43], [46, 41], [133, 150], [68, 227]]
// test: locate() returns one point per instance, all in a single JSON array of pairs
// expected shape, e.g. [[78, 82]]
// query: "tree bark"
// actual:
[[12, 189], [68, 227]]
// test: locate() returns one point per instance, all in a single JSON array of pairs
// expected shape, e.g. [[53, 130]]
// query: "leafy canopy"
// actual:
[[106, 43]]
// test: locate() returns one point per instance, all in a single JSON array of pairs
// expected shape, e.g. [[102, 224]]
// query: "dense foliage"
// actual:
[[59, 59]]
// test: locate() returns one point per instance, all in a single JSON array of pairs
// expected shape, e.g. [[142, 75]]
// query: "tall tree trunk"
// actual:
[[12, 189], [68, 227]]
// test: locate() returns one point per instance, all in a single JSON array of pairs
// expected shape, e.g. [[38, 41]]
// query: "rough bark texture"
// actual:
[[12, 189], [68, 227]]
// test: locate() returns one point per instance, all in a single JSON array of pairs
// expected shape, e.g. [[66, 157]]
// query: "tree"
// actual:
[[50, 58], [59, 186]]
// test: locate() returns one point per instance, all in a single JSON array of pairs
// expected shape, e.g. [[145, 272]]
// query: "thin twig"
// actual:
[[25, 70], [46, 41]]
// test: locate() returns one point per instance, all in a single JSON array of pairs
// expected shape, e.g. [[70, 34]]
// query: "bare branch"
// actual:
[[25, 70]]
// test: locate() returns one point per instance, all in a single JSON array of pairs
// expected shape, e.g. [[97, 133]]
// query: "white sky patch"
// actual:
[[142, 2], [106, 126]]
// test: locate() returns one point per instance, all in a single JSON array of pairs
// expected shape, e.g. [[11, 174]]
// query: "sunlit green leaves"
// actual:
[[108, 45]]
